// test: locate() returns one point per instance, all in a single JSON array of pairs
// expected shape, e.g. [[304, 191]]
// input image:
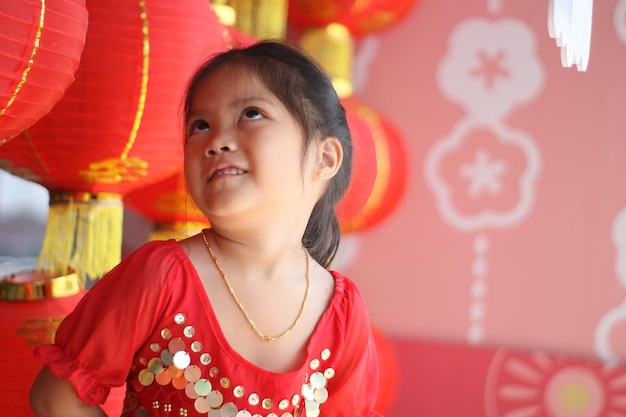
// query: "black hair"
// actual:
[[308, 94]]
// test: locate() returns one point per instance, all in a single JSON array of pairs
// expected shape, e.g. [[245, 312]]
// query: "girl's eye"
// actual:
[[199, 126], [251, 114]]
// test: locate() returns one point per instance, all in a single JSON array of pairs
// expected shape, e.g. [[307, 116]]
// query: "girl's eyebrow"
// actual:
[[245, 100], [194, 113], [235, 103]]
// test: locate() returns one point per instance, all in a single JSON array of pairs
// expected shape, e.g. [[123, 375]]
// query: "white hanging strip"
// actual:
[[569, 23]]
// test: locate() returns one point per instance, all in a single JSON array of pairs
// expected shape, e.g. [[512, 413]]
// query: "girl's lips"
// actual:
[[232, 171]]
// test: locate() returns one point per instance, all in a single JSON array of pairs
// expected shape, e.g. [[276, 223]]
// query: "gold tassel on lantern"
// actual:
[[332, 46], [58, 241], [99, 229], [262, 19], [83, 235]]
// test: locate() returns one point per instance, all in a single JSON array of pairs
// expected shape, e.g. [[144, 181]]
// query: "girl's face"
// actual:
[[244, 150]]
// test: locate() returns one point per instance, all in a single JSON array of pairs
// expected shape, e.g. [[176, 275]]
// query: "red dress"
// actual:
[[149, 323]]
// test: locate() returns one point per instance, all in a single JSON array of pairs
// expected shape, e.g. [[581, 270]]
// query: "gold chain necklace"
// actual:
[[241, 307]]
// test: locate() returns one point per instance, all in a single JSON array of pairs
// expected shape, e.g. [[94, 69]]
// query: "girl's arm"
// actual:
[[51, 396], [87, 360]]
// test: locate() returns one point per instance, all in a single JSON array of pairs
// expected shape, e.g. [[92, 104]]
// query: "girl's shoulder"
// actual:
[[345, 288], [161, 254], [156, 264], [347, 302], [156, 249]]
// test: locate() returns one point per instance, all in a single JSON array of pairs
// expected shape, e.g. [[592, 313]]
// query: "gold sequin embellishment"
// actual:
[[314, 390], [173, 365]]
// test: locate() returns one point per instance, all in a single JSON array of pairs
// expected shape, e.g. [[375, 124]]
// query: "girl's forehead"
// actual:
[[235, 73], [231, 87], [234, 80]]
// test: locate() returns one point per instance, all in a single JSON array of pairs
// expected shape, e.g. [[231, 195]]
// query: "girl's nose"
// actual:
[[212, 150], [220, 143]]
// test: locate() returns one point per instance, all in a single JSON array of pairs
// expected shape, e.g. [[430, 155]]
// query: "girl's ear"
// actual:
[[330, 157]]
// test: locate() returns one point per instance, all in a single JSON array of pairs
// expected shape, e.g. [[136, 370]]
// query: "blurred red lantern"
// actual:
[[31, 308], [169, 206], [360, 17], [379, 159], [380, 169], [364, 166], [42, 42], [118, 126]]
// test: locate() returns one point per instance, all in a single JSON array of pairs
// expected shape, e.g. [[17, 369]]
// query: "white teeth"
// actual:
[[232, 171], [228, 171]]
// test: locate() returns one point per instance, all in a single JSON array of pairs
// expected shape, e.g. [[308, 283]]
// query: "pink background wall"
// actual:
[[532, 253]]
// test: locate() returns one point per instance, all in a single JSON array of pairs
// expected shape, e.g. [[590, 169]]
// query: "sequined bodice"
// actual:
[[178, 375]]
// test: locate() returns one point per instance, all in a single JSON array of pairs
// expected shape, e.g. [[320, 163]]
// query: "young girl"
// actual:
[[243, 319]]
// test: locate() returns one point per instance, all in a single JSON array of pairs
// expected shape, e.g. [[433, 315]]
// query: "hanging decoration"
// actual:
[[569, 23], [116, 129], [31, 308], [169, 206], [364, 167], [359, 17], [379, 168], [42, 42], [393, 165], [265, 19], [333, 47]]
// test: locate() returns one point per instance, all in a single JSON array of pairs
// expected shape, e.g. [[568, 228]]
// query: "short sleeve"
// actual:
[[355, 386], [95, 344]]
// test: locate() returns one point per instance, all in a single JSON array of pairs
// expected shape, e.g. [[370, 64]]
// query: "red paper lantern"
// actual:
[[360, 17], [379, 165], [41, 45], [31, 308], [380, 169], [118, 126], [364, 166], [169, 206], [393, 172]]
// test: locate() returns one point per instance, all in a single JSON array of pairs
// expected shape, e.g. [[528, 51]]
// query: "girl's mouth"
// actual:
[[230, 171]]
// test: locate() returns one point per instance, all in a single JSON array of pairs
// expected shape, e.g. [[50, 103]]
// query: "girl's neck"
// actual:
[[273, 257]]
